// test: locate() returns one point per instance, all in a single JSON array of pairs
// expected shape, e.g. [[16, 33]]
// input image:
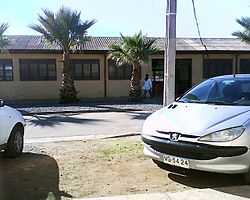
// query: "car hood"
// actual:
[[198, 119]]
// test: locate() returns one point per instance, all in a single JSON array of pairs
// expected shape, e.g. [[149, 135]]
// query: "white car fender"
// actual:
[[9, 117]]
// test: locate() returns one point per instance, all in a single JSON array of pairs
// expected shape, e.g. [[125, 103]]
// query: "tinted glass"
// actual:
[[216, 67], [6, 70], [224, 92]]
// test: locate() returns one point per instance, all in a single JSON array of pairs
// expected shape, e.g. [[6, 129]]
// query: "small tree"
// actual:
[[133, 50], [65, 29], [4, 42], [245, 34]]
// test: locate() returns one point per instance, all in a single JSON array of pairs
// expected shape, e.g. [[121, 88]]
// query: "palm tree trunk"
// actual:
[[135, 83], [68, 93]]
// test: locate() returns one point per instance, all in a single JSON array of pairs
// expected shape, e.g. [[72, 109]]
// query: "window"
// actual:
[[37, 70], [86, 69], [158, 68], [6, 70], [216, 67], [244, 66], [122, 72]]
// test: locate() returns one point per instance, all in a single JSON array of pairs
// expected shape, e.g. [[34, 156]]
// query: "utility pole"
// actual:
[[170, 53]]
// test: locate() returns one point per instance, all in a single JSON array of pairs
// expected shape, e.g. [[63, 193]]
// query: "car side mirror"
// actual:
[[1, 103]]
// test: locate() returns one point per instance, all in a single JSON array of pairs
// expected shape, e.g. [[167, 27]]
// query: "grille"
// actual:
[[192, 150], [183, 153]]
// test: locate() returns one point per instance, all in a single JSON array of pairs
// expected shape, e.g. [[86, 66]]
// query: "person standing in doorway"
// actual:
[[147, 86]]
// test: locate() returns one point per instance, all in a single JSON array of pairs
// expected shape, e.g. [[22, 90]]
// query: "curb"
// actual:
[[78, 138], [192, 194], [25, 113]]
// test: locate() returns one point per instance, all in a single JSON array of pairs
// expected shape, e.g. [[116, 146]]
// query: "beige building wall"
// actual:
[[25, 90], [121, 88], [197, 63], [91, 88], [118, 88], [45, 90], [224, 56], [42, 90]]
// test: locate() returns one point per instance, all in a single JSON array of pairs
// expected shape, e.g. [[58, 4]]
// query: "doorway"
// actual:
[[183, 76]]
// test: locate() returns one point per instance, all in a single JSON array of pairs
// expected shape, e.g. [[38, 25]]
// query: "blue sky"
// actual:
[[216, 17]]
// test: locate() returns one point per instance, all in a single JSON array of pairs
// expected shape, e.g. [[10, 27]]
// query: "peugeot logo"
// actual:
[[174, 136]]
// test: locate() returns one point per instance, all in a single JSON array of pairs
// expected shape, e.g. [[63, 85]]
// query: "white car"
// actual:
[[207, 129], [11, 131]]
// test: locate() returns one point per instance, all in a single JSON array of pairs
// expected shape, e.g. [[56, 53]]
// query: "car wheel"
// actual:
[[15, 143]]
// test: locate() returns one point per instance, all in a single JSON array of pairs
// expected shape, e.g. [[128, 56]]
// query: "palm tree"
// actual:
[[65, 29], [133, 51], [4, 42], [245, 34]]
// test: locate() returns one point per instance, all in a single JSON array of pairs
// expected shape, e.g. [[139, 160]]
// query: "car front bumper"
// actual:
[[233, 164]]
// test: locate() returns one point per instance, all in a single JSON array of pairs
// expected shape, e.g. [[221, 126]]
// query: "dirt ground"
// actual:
[[93, 168]]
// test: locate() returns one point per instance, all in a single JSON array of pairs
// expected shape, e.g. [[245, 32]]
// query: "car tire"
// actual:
[[247, 177], [15, 143]]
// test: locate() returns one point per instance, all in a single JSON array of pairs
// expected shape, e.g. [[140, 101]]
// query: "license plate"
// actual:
[[176, 161]]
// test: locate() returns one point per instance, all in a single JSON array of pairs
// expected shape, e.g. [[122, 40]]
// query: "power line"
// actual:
[[197, 25]]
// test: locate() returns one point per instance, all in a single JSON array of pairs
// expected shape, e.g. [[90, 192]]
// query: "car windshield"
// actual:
[[220, 91]]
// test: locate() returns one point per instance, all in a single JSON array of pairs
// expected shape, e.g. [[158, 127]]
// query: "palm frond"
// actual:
[[3, 28], [244, 22], [245, 34], [245, 37], [64, 28], [134, 49], [4, 42]]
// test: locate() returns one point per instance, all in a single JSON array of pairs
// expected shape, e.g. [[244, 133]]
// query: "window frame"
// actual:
[[121, 72], [244, 65], [211, 68], [6, 62], [83, 62], [158, 70], [37, 76]]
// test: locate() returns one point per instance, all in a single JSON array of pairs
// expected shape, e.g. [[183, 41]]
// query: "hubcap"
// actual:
[[18, 141]]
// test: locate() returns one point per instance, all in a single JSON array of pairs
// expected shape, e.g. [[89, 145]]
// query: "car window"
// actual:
[[245, 87], [199, 93], [227, 92]]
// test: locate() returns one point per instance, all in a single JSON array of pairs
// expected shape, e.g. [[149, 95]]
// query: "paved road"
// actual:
[[84, 124]]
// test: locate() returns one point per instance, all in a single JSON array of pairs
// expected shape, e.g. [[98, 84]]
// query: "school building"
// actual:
[[31, 70]]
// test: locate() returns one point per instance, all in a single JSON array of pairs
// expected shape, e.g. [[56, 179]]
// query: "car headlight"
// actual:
[[223, 135]]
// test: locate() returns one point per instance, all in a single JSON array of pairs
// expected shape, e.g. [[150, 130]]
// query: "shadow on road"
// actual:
[[53, 120], [140, 116], [58, 119], [228, 183], [31, 176]]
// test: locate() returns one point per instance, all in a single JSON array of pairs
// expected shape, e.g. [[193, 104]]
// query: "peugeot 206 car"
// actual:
[[208, 128], [11, 131]]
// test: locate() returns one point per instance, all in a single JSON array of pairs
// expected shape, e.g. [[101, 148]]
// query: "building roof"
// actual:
[[37, 43]]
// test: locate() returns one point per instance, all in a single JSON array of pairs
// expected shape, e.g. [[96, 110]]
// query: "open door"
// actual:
[[183, 76]]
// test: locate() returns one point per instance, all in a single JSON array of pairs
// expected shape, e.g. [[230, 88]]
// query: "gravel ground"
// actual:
[[30, 108]]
